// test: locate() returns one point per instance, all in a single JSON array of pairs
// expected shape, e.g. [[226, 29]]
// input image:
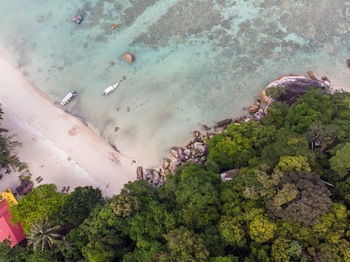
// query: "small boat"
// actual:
[[77, 19], [69, 97], [110, 89], [115, 25]]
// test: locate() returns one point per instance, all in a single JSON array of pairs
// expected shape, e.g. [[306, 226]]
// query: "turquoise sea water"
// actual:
[[197, 61]]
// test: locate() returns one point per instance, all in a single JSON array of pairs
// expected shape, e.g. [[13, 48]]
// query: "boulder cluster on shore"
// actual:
[[197, 151]]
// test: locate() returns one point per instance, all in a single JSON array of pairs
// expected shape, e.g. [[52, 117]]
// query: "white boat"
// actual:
[[68, 98], [110, 89]]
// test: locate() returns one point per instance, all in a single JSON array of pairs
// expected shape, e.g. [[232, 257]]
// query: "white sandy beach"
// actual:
[[57, 146]]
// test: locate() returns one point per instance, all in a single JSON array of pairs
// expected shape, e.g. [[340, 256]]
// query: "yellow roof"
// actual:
[[9, 197]]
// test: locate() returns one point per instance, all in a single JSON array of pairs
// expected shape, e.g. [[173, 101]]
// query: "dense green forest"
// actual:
[[289, 199]]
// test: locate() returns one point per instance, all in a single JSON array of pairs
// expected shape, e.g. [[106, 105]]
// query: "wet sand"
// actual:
[[57, 146]]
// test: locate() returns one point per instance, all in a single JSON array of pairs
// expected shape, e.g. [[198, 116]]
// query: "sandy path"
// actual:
[[57, 146]]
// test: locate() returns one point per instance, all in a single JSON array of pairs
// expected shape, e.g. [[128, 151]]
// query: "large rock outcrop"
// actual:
[[295, 86]]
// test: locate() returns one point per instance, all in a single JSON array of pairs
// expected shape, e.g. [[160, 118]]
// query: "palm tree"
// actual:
[[63, 246], [43, 235]]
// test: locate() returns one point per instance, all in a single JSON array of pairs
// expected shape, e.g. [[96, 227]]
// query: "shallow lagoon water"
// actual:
[[197, 61]]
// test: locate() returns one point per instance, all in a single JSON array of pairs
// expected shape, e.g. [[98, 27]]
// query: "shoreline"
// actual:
[[57, 146], [196, 150], [68, 148]]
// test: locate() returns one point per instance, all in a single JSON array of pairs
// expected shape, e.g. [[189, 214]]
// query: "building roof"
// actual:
[[7, 230]]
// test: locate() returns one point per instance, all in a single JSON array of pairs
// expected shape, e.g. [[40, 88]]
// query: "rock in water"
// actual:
[[166, 163], [129, 57], [205, 127], [312, 75], [175, 166], [187, 152], [139, 173], [147, 174], [267, 99], [253, 109], [224, 122], [348, 62], [155, 178], [325, 78], [199, 149], [173, 152], [196, 133], [295, 86]]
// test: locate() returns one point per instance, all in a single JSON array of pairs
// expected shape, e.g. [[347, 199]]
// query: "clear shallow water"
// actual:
[[197, 61]]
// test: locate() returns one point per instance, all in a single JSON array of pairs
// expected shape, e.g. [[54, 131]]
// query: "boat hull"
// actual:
[[110, 89], [69, 97]]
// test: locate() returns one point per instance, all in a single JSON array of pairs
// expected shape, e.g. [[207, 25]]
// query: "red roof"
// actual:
[[7, 230]]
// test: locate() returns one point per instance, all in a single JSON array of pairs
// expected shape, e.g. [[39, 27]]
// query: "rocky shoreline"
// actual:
[[196, 150]]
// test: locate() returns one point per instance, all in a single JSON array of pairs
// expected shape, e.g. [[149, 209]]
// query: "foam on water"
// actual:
[[197, 61]]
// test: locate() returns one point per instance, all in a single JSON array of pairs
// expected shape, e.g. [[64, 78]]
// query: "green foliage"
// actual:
[[286, 143], [276, 208], [124, 205], [320, 102], [280, 250], [212, 166], [43, 235], [295, 249], [293, 163], [259, 252], [341, 102], [78, 239], [230, 151], [141, 190], [105, 241], [42, 203], [312, 107], [184, 245], [276, 114], [342, 191], [275, 91], [231, 231], [323, 136], [197, 196], [284, 250], [212, 240], [98, 252], [340, 163], [14, 254], [287, 194], [301, 116], [238, 144], [148, 254], [225, 259], [297, 197], [5, 248], [150, 224], [43, 256], [79, 205], [262, 229]]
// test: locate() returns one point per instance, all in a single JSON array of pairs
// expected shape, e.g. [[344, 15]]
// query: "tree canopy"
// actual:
[[42, 203], [289, 199]]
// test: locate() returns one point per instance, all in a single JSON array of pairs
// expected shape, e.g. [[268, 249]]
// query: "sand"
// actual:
[[57, 146]]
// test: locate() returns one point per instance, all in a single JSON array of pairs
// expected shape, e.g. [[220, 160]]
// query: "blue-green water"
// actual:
[[197, 61]]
